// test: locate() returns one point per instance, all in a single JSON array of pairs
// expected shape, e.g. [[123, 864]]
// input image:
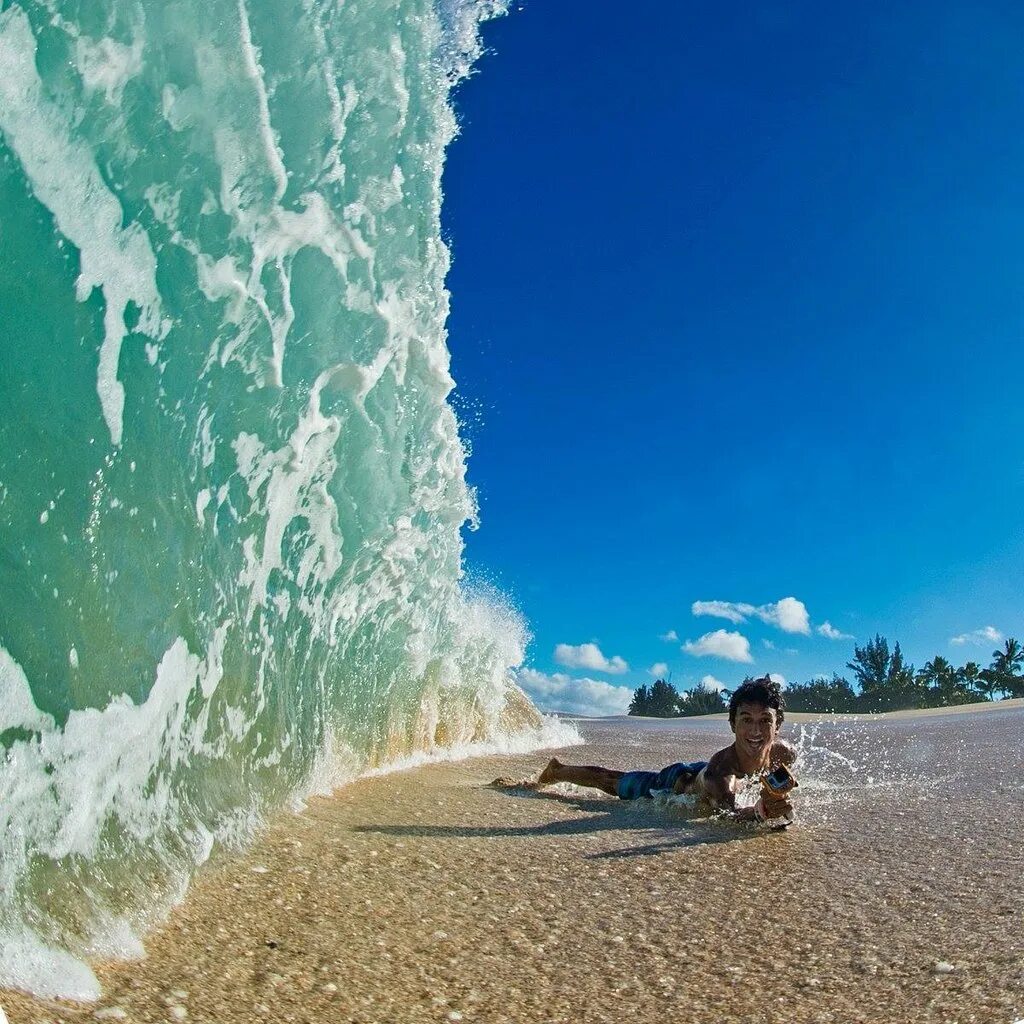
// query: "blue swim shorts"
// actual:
[[634, 785]]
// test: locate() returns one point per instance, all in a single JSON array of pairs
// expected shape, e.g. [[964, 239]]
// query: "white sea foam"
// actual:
[[107, 65], [17, 708], [63, 786], [29, 964], [64, 177], [272, 602], [272, 149], [338, 766]]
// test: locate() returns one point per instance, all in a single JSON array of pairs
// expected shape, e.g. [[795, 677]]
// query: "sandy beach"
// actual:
[[427, 896]]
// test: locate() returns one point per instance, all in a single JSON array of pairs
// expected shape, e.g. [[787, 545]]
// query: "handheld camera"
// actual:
[[779, 782]]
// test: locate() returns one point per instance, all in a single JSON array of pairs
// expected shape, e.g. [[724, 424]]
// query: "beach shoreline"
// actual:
[[425, 895], [980, 707]]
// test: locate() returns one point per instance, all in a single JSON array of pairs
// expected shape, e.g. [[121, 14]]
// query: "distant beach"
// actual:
[[954, 709], [425, 895]]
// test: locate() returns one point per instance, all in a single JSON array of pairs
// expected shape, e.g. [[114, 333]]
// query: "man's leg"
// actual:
[[594, 776]]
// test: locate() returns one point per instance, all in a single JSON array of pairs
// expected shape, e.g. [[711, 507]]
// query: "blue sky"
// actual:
[[737, 305]]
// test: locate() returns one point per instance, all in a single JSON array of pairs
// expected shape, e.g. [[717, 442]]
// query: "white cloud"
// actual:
[[589, 656], [711, 683], [671, 637], [723, 610], [560, 692], [777, 677], [768, 645], [978, 637], [787, 614], [659, 670], [721, 644], [827, 630]]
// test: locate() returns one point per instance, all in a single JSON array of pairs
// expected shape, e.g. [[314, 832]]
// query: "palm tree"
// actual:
[[1007, 666], [989, 683], [941, 679], [972, 678]]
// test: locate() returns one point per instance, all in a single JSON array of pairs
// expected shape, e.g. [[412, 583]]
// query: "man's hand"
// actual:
[[775, 807]]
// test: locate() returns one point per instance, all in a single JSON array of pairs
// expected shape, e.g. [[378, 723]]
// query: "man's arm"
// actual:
[[719, 789], [719, 785]]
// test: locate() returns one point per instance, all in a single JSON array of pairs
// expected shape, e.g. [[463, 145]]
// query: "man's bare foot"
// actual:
[[550, 773], [546, 778]]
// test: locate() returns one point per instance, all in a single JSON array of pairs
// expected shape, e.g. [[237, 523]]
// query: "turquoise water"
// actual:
[[231, 484]]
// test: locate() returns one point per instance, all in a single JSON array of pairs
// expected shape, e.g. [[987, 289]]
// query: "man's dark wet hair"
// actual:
[[764, 691]]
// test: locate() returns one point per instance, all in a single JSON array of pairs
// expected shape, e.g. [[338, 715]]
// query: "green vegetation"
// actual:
[[662, 700], [882, 681]]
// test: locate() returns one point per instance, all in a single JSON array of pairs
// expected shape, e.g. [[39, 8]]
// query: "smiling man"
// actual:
[[756, 711]]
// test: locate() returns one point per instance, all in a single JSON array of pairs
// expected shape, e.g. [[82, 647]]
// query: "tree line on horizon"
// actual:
[[882, 681]]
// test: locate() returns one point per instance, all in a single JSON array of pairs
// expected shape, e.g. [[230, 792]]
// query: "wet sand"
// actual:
[[427, 896]]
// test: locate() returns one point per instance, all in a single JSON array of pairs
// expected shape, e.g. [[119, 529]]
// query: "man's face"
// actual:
[[755, 728]]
